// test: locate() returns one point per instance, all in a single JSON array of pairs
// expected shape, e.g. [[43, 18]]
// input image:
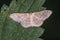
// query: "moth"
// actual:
[[34, 19]]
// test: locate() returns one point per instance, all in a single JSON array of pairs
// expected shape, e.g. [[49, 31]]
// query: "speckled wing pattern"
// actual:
[[39, 17], [34, 19]]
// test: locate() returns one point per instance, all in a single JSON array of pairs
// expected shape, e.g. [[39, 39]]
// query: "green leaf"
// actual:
[[11, 30]]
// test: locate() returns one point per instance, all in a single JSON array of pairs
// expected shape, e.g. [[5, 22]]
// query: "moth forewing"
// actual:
[[46, 14], [43, 14], [21, 18], [15, 17]]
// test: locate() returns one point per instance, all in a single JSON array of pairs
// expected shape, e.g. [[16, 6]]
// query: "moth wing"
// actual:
[[39, 17], [17, 16], [22, 18], [36, 21], [43, 15]]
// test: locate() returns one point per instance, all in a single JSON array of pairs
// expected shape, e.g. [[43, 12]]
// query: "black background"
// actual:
[[52, 24]]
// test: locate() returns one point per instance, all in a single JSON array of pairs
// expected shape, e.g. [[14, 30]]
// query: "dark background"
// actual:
[[52, 24]]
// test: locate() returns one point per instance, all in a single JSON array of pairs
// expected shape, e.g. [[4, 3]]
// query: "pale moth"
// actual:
[[34, 19]]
